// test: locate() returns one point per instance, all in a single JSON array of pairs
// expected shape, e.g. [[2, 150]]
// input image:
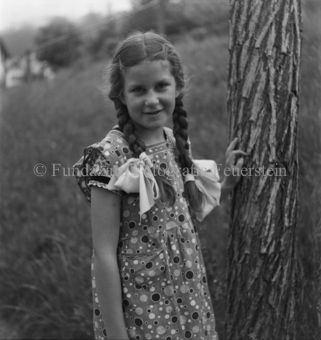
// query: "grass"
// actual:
[[45, 226]]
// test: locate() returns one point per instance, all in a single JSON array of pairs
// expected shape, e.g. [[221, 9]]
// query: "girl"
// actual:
[[148, 273]]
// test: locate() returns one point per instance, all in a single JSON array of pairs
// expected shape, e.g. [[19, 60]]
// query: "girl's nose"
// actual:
[[152, 99]]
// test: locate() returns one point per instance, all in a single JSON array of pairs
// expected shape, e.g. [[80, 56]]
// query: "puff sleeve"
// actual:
[[96, 168], [207, 180]]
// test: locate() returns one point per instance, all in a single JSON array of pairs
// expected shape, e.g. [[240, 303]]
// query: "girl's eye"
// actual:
[[138, 90], [162, 86]]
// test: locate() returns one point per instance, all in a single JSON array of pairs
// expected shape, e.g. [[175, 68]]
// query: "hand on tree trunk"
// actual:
[[232, 170]]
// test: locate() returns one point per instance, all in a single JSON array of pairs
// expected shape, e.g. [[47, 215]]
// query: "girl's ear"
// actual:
[[177, 92]]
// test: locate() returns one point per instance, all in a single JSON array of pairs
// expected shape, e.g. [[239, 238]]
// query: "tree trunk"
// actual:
[[265, 50]]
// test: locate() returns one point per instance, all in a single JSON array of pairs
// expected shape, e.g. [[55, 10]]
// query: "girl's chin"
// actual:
[[154, 124], [157, 118]]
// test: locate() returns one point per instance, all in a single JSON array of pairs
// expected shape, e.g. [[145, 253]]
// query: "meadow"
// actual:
[[45, 221]]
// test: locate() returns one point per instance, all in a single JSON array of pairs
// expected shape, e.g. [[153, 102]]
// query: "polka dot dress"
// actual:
[[165, 292]]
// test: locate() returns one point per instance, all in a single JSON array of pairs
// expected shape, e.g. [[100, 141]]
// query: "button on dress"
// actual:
[[164, 285]]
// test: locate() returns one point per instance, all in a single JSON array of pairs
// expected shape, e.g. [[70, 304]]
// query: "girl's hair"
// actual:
[[149, 46]]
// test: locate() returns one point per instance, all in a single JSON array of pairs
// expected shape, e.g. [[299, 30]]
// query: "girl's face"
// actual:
[[149, 93]]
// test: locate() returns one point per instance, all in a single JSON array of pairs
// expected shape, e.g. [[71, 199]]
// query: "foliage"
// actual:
[[180, 16], [58, 43], [176, 19], [45, 228], [198, 18], [142, 19], [104, 43], [138, 3], [19, 40], [210, 15]]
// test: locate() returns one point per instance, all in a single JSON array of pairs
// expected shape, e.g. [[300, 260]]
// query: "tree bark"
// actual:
[[263, 90]]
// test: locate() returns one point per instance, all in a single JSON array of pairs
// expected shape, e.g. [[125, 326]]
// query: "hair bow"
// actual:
[[208, 184], [135, 176]]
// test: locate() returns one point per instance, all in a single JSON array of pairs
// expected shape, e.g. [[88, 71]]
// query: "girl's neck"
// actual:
[[152, 136]]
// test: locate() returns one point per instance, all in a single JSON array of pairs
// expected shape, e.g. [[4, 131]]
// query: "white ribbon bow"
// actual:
[[208, 184], [136, 176]]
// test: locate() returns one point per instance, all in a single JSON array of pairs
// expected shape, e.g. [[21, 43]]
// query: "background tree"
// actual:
[[19, 39], [265, 48], [209, 14], [58, 43], [145, 16], [104, 42]]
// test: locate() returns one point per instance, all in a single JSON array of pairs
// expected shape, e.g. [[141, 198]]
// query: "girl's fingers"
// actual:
[[230, 159], [240, 163], [232, 145], [240, 152], [233, 154]]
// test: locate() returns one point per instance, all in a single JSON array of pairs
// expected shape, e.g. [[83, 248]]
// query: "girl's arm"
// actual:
[[232, 170], [105, 219]]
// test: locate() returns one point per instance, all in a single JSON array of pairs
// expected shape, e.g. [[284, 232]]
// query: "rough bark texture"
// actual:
[[265, 49]]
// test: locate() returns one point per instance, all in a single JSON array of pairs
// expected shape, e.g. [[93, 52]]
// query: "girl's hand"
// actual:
[[234, 164], [232, 169]]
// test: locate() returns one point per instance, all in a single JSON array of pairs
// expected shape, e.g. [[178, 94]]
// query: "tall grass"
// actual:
[[45, 226], [45, 234]]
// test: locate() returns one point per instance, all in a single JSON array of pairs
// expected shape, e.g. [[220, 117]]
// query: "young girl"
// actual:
[[148, 274]]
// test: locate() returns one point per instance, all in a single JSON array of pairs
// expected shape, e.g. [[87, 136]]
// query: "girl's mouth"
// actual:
[[153, 112]]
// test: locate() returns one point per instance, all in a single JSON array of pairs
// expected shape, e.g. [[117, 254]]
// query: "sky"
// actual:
[[15, 13]]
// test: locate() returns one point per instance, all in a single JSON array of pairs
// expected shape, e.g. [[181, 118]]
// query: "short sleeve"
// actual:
[[98, 164]]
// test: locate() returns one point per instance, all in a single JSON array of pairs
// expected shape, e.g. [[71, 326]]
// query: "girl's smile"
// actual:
[[150, 93]]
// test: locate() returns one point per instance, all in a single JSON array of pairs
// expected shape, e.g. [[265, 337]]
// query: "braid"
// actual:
[[137, 146], [181, 135], [180, 126]]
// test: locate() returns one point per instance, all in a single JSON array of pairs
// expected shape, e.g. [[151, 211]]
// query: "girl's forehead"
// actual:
[[148, 70]]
